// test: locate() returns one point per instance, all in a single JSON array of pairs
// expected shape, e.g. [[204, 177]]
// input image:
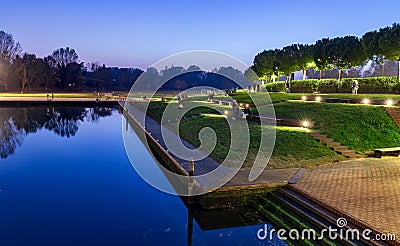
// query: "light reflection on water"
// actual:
[[65, 179]]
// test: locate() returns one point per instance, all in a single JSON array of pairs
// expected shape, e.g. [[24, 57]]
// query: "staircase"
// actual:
[[336, 146], [394, 113], [289, 207]]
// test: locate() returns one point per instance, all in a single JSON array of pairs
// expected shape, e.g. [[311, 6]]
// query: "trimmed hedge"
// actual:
[[382, 85], [275, 87]]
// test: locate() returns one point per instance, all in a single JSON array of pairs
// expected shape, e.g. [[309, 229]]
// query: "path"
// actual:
[[269, 178], [366, 189]]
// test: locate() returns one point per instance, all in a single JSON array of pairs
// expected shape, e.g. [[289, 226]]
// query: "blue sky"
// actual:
[[139, 33]]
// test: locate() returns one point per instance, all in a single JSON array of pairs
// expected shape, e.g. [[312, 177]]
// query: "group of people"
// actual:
[[180, 99], [229, 92], [52, 97]]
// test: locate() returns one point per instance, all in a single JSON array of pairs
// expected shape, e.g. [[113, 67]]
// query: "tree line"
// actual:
[[61, 70], [177, 78], [342, 53]]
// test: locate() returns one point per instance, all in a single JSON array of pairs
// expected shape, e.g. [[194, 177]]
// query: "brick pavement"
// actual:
[[367, 189]]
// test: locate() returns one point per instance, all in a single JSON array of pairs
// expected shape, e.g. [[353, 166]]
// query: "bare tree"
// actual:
[[63, 57], [9, 49]]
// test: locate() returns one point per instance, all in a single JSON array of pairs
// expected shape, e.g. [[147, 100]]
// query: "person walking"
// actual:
[[354, 87]]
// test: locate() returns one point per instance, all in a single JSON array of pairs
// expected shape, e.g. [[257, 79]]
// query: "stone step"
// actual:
[[332, 144], [319, 137], [326, 140], [355, 156], [314, 133], [340, 148], [348, 153]]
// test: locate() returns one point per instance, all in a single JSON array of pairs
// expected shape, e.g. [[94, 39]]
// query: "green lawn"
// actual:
[[360, 127], [293, 147], [262, 98]]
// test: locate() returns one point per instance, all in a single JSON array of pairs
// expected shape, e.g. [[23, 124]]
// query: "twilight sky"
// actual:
[[139, 33]]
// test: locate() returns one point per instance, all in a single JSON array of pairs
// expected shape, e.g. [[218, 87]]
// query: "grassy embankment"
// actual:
[[360, 127], [293, 147]]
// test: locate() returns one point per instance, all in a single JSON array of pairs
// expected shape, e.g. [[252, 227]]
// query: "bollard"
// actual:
[[191, 181], [191, 167]]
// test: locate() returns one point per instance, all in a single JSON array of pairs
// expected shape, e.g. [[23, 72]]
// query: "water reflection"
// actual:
[[17, 123]]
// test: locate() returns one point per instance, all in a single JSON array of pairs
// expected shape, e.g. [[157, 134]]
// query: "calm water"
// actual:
[[65, 179]]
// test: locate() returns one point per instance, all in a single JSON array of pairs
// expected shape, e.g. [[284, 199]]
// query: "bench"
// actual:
[[389, 151]]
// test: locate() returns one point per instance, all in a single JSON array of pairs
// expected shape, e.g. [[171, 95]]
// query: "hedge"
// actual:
[[275, 87], [366, 85]]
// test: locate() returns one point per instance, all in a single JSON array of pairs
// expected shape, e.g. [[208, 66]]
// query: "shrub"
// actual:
[[329, 86], [366, 85], [304, 86], [373, 85], [275, 87]]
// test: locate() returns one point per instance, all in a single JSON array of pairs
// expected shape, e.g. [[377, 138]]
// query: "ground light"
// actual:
[[305, 124], [366, 101], [226, 112], [389, 103], [318, 99], [247, 105], [304, 98], [241, 104]]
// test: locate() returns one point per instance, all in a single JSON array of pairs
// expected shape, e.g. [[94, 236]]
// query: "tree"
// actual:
[[49, 70], [346, 52], [304, 58], [286, 61], [69, 75], [63, 57], [180, 85], [265, 65], [389, 44], [322, 56], [370, 44], [250, 75], [9, 49], [69, 70]]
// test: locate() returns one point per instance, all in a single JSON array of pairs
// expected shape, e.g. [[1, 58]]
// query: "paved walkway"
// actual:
[[269, 178], [56, 99], [366, 189]]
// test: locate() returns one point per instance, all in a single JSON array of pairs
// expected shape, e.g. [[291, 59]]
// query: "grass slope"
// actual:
[[293, 147], [360, 127]]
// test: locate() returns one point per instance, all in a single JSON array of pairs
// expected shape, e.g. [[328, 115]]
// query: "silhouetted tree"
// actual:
[[64, 56], [9, 49]]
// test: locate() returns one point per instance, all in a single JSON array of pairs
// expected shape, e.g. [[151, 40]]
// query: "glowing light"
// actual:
[[247, 105], [389, 103], [318, 99], [366, 101], [304, 98], [241, 105], [226, 112], [305, 124]]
